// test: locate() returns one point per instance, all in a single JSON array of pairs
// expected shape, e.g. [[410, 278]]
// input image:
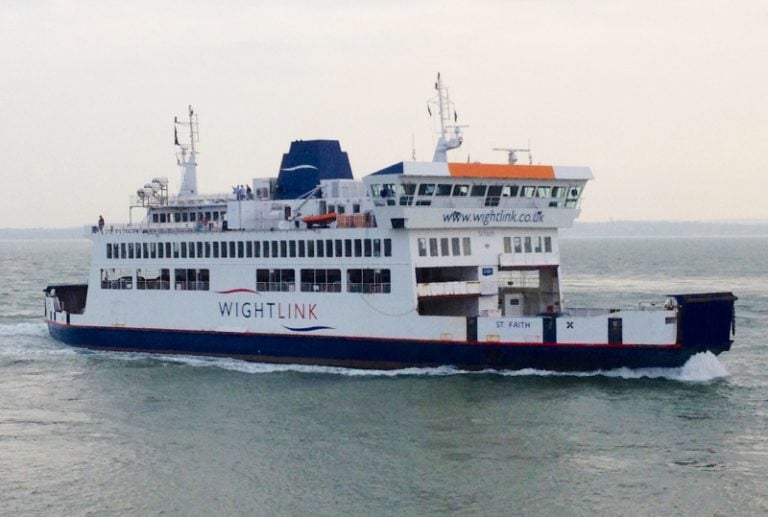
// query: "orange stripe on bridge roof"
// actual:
[[493, 170]]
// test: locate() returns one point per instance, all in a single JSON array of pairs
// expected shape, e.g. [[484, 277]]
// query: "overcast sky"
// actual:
[[666, 100]]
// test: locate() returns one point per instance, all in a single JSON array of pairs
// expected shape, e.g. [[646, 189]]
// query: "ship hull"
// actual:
[[369, 353]]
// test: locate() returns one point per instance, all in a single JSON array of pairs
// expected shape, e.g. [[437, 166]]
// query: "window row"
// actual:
[[185, 217], [444, 246], [358, 280], [325, 280], [156, 279], [422, 193], [528, 244], [252, 249]]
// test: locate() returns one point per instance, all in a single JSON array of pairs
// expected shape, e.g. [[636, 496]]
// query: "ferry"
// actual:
[[419, 264]]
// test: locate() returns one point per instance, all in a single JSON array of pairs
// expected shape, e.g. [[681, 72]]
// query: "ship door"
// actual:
[[615, 331], [513, 305]]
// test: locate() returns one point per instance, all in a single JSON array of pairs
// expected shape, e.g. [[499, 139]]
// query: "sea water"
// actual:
[[95, 433]]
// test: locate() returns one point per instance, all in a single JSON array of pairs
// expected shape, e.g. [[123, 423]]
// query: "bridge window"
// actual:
[[509, 191], [543, 191], [426, 189], [528, 191], [572, 197], [478, 190], [494, 194], [460, 190], [443, 189]]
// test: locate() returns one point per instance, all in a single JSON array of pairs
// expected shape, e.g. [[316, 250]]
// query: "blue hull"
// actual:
[[376, 353]]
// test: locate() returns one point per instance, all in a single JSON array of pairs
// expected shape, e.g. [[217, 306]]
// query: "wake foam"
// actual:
[[32, 329], [29, 340], [702, 367]]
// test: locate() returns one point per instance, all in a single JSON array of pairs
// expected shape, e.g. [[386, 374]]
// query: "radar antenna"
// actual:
[[446, 142], [512, 154], [186, 159]]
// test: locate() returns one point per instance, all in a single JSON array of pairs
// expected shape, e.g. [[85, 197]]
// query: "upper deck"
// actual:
[[450, 195]]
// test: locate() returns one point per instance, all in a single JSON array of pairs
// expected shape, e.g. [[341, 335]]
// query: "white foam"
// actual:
[[25, 328], [703, 367], [27, 340], [253, 367], [700, 368]]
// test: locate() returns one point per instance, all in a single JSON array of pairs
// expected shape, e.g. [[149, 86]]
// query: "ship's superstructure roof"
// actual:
[[486, 170]]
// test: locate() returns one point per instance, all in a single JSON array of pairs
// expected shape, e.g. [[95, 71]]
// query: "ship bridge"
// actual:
[[460, 195]]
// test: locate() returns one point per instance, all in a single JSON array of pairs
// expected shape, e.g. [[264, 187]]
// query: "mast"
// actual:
[[186, 159], [446, 142]]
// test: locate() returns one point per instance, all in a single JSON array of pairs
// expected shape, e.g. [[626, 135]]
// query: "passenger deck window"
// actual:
[[282, 280], [191, 279], [116, 278]]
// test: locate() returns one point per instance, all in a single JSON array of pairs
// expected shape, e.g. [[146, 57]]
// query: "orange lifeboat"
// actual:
[[318, 219]]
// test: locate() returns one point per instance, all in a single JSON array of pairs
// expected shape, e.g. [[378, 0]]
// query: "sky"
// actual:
[[666, 101]]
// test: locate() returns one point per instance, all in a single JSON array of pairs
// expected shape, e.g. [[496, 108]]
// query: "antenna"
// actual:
[[446, 142], [187, 158], [512, 153]]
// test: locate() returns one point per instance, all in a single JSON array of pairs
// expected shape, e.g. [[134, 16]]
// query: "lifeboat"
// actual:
[[319, 219]]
